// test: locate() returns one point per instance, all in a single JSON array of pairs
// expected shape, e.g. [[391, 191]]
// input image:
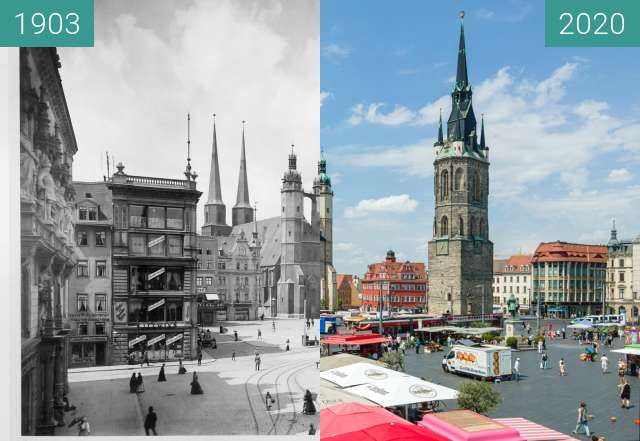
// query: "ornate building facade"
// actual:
[[460, 253], [622, 296], [47, 147], [153, 266]]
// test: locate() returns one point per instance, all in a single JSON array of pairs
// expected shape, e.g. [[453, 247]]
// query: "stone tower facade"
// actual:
[[242, 212], [215, 211], [324, 193], [460, 253]]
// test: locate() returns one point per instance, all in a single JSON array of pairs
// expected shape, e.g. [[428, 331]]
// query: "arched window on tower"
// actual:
[[444, 226], [477, 191], [458, 184], [444, 185], [460, 226]]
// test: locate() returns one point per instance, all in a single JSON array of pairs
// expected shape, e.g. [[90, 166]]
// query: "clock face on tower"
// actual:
[[442, 247]]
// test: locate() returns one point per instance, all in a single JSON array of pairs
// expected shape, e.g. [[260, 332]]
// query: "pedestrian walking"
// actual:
[[308, 407], [516, 369], [181, 369], [146, 358], [259, 335], [161, 376], [604, 363], [84, 429], [287, 348], [257, 361], [273, 325], [311, 321], [133, 382], [196, 389], [312, 429], [308, 324], [544, 364], [139, 384], [540, 346], [233, 355], [564, 334], [563, 367], [417, 346], [268, 400], [235, 335], [150, 421], [625, 394], [199, 358], [583, 420]]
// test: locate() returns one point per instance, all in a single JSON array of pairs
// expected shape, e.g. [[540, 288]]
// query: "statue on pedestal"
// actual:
[[513, 307]]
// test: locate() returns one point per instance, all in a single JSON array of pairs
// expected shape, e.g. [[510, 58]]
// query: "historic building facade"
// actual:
[[568, 279], [153, 266], [512, 276], [622, 296], [348, 294], [460, 253], [47, 147], [403, 285], [89, 303]]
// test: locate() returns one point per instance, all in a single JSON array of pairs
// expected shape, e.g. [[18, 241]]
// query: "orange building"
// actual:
[[403, 285], [348, 293]]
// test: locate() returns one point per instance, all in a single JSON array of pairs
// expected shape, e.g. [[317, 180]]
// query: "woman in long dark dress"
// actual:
[[139, 383], [161, 376], [133, 382], [196, 389], [309, 408], [181, 369]]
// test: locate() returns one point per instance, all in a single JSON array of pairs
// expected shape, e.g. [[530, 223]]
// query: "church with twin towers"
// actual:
[[278, 266]]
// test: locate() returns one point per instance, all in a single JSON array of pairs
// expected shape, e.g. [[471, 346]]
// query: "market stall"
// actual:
[[632, 356], [364, 345]]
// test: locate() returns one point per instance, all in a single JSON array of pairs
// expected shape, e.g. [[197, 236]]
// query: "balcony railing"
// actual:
[[154, 182]]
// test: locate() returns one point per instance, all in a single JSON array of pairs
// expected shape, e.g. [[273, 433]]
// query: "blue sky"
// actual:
[[562, 125]]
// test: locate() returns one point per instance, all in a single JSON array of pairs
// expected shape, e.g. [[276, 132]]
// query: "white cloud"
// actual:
[[398, 204], [343, 246], [576, 179], [324, 96], [591, 109], [552, 89], [412, 159], [619, 175], [253, 61], [372, 114], [336, 52]]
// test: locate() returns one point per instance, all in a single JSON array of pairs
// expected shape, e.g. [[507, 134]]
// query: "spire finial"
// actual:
[[292, 146], [461, 15], [255, 219], [440, 136], [482, 141], [187, 171]]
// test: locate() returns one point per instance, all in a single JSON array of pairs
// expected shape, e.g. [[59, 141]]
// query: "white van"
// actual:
[[481, 360]]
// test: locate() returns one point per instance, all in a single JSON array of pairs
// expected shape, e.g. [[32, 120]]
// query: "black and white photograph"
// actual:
[[175, 223]]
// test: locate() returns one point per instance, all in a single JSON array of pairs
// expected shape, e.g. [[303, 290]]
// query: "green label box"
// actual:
[[592, 23], [46, 23]]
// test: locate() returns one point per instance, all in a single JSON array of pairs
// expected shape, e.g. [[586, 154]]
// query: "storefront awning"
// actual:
[[212, 297]]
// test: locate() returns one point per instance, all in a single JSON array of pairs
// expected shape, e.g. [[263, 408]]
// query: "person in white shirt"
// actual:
[[516, 369], [604, 363]]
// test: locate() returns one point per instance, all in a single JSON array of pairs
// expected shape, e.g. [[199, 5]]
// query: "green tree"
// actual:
[[323, 303], [478, 396], [512, 342], [394, 360]]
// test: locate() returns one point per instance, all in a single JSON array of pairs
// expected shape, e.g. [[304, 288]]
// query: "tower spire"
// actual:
[[483, 146], [215, 190], [440, 137], [242, 212], [462, 79]]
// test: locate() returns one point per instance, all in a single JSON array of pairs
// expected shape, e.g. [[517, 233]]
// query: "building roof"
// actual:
[[393, 270], [570, 252], [342, 278], [498, 265], [269, 237], [99, 193]]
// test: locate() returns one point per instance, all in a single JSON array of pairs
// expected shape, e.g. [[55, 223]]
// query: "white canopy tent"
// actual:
[[401, 390], [358, 373], [579, 326], [629, 351]]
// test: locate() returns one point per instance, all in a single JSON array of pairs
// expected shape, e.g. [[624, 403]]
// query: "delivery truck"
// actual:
[[481, 361]]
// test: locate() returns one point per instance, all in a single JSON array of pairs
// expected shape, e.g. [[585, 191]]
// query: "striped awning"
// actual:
[[532, 431]]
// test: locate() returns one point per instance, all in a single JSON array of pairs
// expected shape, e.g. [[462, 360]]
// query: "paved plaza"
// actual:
[[233, 402], [545, 397]]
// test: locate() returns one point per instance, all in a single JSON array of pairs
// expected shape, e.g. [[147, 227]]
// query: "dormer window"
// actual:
[[87, 213]]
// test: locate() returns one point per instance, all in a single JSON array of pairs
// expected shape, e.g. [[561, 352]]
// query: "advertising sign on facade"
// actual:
[[155, 340], [120, 312], [156, 305], [155, 274], [174, 339], [156, 241], [137, 340]]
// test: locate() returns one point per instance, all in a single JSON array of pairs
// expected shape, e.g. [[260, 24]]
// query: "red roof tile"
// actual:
[[569, 252]]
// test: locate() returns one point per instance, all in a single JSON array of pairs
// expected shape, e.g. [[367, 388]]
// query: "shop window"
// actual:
[[83, 268], [175, 218], [155, 278], [174, 311], [137, 216], [82, 304], [137, 244], [83, 239], [156, 217], [100, 328], [156, 245], [101, 303], [174, 245], [101, 238], [83, 328], [101, 268], [174, 280], [120, 239]]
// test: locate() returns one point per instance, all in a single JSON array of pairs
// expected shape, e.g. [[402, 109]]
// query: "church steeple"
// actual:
[[242, 212], [462, 121], [483, 146], [215, 191], [215, 212], [440, 136]]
